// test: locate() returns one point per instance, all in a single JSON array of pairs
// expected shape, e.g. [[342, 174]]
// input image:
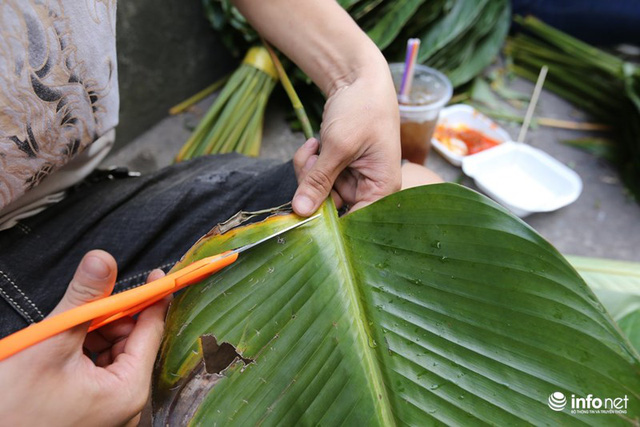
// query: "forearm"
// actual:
[[319, 36]]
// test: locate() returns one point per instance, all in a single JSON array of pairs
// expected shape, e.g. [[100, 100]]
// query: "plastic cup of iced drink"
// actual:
[[419, 111]]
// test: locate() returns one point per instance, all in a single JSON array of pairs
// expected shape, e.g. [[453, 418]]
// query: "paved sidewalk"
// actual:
[[604, 222]]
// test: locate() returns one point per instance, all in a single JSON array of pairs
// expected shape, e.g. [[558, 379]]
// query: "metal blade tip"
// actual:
[[251, 245]]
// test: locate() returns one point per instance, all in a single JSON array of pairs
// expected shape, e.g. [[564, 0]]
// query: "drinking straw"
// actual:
[[413, 45], [532, 103]]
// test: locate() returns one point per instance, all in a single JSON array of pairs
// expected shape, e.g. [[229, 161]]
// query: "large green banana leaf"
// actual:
[[433, 305]]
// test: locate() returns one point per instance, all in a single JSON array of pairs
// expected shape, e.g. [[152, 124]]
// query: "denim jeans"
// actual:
[[146, 222]]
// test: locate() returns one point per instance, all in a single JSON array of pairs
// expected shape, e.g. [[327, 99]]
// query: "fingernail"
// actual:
[[310, 162], [155, 275], [311, 144], [303, 205], [95, 268]]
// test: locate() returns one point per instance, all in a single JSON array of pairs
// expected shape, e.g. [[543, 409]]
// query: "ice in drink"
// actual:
[[430, 91]]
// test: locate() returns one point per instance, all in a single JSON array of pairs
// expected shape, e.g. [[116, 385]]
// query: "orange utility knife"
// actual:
[[128, 303]]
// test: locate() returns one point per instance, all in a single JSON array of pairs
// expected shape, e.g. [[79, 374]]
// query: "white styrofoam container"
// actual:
[[465, 114], [522, 178]]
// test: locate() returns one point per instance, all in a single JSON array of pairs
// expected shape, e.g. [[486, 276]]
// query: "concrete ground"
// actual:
[[604, 221]]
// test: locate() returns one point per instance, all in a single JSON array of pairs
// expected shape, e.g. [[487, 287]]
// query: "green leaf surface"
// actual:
[[456, 21], [433, 305], [362, 10], [617, 285], [630, 326], [346, 4], [608, 274], [394, 16], [487, 48], [600, 147], [481, 92]]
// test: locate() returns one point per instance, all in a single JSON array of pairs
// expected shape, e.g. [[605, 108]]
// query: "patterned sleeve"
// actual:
[[58, 86]]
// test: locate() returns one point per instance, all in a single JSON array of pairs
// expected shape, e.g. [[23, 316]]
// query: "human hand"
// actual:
[[360, 154], [360, 134], [56, 383]]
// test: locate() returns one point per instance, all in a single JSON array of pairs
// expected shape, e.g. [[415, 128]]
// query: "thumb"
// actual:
[[94, 279], [317, 183]]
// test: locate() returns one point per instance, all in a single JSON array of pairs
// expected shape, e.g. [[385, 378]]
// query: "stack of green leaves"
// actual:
[[459, 37], [234, 121], [600, 83]]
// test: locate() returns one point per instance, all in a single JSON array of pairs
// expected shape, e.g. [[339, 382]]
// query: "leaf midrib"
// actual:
[[380, 395]]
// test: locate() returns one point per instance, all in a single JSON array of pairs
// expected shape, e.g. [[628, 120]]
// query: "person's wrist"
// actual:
[[368, 65]]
